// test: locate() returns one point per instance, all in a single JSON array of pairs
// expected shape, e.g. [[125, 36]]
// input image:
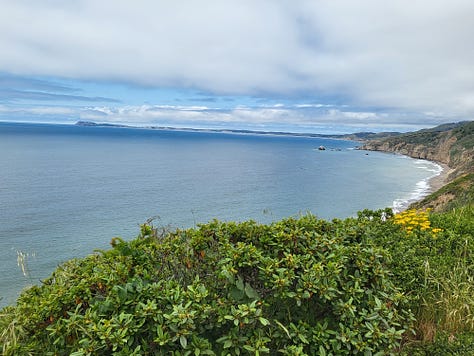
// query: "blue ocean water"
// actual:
[[66, 190]]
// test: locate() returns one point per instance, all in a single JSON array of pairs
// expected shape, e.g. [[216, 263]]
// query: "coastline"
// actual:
[[425, 187], [440, 180]]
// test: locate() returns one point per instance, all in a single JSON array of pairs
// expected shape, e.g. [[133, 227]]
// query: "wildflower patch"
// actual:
[[415, 221]]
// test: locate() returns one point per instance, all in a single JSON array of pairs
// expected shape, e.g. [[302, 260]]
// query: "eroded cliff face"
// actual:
[[439, 153], [441, 147], [453, 147]]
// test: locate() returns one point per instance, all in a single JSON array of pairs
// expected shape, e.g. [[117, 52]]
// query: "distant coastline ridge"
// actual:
[[93, 124], [359, 136]]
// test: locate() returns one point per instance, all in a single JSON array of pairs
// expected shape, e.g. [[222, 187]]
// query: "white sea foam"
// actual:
[[422, 188]]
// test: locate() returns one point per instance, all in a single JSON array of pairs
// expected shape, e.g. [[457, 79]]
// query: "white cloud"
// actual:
[[256, 118], [41, 110], [264, 117], [403, 55], [303, 106], [359, 115]]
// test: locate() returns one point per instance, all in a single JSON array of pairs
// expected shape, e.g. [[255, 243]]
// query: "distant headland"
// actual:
[[358, 136]]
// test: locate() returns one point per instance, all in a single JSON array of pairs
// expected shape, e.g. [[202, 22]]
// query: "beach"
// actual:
[[424, 187], [440, 180]]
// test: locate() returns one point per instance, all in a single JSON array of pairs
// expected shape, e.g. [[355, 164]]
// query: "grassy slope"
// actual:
[[457, 193]]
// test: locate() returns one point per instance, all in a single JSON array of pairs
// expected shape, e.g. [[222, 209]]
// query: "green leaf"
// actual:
[[250, 292], [183, 341], [283, 327], [78, 353], [249, 348], [236, 294], [303, 338], [240, 283], [322, 351]]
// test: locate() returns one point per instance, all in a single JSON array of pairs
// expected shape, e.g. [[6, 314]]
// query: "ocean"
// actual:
[[66, 190]]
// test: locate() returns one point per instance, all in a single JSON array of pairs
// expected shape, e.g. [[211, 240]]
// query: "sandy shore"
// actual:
[[440, 180]]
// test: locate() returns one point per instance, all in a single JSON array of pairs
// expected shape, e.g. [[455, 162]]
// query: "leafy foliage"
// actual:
[[296, 287], [465, 135], [442, 345], [373, 284], [434, 265]]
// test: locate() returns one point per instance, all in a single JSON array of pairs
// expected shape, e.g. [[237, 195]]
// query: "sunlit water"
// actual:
[[67, 190]]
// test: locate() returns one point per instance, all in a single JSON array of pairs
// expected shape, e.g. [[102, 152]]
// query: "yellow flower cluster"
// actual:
[[415, 220]]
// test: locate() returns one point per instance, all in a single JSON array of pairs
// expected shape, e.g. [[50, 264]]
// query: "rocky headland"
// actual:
[[451, 145]]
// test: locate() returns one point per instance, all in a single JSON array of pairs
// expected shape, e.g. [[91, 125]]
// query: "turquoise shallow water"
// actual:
[[67, 190]]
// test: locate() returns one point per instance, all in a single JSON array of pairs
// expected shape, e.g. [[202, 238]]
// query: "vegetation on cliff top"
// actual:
[[374, 284], [456, 194]]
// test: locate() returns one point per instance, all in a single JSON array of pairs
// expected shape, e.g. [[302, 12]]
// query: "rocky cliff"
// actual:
[[451, 144]]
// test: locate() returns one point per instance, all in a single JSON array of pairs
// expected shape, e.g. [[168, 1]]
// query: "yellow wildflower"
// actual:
[[413, 220]]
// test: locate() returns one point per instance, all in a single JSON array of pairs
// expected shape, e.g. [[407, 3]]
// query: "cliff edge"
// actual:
[[451, 144]]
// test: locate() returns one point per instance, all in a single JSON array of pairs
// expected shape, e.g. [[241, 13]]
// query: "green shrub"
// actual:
[[434, 265], [444, 344], [296, 287]]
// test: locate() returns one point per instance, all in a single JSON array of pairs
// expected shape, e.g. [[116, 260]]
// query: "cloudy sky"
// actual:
[[317, 66]]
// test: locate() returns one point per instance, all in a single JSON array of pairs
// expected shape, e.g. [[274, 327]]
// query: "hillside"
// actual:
[[451, 144]]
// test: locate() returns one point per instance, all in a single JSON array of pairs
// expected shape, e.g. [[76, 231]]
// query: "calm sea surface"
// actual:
[[67, 190]]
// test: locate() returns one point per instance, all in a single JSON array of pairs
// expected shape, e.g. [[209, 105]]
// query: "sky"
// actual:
[[322, 66]]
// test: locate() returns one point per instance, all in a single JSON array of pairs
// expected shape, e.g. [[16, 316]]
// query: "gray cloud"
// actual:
[[412, 56], [11, 95], [14, 88], [20, 83]]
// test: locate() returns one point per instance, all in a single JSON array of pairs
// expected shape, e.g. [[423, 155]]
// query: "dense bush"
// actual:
[[296, 287], [433, 263], [443, 345]]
